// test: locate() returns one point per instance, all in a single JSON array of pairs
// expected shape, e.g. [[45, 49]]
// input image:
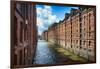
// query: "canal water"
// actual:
[[46, 54]]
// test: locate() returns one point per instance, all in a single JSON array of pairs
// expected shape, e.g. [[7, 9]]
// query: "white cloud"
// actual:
[[45, 18]]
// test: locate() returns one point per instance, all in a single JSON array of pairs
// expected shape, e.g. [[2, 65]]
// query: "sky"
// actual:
[[47, 15]]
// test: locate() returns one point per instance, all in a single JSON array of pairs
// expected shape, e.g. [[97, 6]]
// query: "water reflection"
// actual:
[[45, 54]]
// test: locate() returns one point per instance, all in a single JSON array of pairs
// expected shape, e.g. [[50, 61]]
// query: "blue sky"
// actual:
[[47, 15]]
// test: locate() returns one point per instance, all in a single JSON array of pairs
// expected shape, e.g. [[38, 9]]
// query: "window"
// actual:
[[89, 43], [89, 17], [21, 32], [81, 35], [90, 34], [90, 28], [80, 47], [84, 48], [84, 28], [76, 30], [15, 59], [20, 54], [83, 42], [90, 50], [71, 46], [76, 41], [84, 19], [80, 18], [89, 21], [15, 31]]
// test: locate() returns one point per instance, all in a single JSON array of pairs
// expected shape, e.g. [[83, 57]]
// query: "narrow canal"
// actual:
[[45, 54], [48, 55]]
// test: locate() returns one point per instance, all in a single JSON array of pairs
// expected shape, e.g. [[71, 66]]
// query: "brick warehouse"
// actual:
[[52, 34], [23, 34], [76, 32]]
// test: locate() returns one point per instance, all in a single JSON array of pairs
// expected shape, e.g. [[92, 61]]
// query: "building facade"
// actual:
[[88, 33], [62, 34], [45, 35], [52, 34], [23, 34], [68, 34], [75, 28], [76, 32]]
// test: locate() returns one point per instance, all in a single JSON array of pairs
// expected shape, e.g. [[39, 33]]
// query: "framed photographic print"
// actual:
[[50, 34]]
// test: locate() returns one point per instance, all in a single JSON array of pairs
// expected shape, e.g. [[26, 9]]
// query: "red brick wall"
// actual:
[[26, 34], [77, 33]]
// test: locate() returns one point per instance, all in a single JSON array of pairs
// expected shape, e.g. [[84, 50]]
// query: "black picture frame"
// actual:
[[44, 3]]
